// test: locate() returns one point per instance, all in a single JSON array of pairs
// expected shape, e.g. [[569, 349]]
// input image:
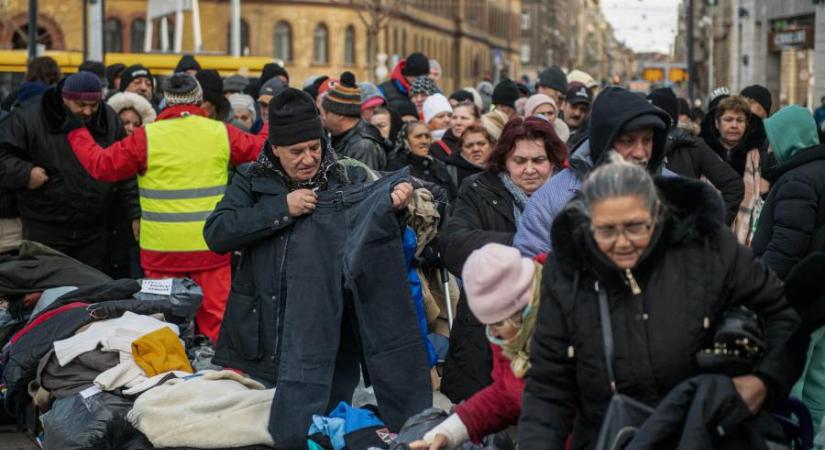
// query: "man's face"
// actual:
[[84, 109], [575, 114], [141, 86], [635, 146], [300, 161], [732, 126], [552, 93], [757, 109], [332, 122]]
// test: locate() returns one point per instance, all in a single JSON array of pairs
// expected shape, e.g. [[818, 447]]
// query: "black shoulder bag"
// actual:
[[624, 415]]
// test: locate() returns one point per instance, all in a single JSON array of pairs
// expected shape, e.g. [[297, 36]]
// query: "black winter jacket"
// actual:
[[254, 217], [71, 198], [692, 272], [451, 141], [460, 169], [689, 156], [426, 168], [482, 213], [792, 222], [702, 413], [755, 137], [364, 143], [397, 99]]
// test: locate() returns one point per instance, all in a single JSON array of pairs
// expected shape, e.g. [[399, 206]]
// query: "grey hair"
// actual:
[[618, 178]]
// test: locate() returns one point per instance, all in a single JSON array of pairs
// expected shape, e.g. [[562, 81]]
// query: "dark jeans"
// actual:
[[347, 297]]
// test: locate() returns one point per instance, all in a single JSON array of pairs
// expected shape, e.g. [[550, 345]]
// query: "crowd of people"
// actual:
[[570, 241]]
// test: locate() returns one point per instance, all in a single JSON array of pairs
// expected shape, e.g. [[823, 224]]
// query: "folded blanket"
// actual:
[[207, 410]]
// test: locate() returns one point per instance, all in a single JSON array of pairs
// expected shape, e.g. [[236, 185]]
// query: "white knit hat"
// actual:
[[243, 101], [435, 105]]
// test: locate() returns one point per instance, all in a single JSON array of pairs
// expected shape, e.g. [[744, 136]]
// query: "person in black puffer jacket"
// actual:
[[661, 257], [487, 210], [412, 150], [690, 157], [792, 223]]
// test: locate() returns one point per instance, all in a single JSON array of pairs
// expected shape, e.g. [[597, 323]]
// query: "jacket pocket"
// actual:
[[243, 322]]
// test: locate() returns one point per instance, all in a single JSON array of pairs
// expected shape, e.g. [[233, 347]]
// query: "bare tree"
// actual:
[[375, 15]]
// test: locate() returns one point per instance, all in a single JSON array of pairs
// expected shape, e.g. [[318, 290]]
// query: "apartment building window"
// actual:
[[349, 46], [283, 41], [320, 47]]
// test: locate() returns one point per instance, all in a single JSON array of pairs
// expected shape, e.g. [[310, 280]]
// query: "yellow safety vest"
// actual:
[[186, 176]]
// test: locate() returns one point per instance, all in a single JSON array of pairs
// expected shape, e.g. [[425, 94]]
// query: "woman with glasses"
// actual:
[[661, 256]]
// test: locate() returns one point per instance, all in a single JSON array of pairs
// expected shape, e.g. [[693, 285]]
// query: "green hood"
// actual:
[[790, 130]]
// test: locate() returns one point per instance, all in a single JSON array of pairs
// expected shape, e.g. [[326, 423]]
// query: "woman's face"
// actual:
[[462, 119], [419, 140], [244, 116], [131, 120], [476, 149], [546, 111], [622, 227], [508, 328], [382, 122], [441, 121], [528, 165]]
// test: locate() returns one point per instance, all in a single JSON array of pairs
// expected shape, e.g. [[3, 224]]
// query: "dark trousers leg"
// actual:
[[347, 362]]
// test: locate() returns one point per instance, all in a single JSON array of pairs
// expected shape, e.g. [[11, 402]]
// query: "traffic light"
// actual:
[[677, 75], [653, 74]]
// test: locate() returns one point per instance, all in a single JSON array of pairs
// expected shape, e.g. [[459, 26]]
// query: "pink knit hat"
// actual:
[[537, 100], [498, 282]]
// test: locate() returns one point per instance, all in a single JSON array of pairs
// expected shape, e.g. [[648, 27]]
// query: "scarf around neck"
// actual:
[[519, 197], [267, 162]]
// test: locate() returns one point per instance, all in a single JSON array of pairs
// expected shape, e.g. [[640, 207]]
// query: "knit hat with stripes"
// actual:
[[345, 98], [182, 89]]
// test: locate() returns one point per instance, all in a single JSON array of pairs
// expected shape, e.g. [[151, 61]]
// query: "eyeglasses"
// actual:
[[634, 232]]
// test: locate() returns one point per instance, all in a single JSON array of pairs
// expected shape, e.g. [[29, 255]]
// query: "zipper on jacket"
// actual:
[[631, 281]]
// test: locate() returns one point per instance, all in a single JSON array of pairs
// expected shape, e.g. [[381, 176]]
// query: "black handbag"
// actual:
[[624, 415]]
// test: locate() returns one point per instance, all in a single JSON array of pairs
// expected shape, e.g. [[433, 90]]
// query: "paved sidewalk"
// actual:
[[12, 440]]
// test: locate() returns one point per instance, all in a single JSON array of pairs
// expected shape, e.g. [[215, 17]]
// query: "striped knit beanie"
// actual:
[[345, 97], [82, 86], [182, 89]]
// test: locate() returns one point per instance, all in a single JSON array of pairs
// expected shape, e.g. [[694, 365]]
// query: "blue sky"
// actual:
[[643, 25]]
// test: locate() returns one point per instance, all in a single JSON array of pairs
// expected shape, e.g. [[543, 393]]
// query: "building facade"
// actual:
[[471, 39], [780, 45]]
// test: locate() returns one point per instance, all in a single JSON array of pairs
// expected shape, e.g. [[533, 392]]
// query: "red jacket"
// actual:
[[495, 407], [126, 158]]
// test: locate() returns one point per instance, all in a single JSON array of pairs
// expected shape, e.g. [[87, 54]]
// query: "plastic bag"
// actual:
[[88, 420], [183, 294], [417, 426]]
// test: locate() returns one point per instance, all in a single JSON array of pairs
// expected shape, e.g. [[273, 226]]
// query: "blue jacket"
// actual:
[[613, 109]]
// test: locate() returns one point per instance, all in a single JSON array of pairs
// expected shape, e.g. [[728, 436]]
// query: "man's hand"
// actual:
[[752, 390], [301, 202], [401, 196], [136, 229], [440, 441], [37, 178]]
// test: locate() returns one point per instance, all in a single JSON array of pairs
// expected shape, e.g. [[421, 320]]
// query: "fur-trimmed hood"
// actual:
[[130, 100], [691, 210]]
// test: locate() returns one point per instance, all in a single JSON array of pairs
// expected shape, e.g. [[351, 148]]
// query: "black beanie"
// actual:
[[132, 72], [461, 95], [759, 94], [415, 65], [293, 118], [187, 62], [112, 72], [684, 108], [406, 109], [271, 71], [554, 78], [665, 99], [506, 93], [212, 85], [96, 68]]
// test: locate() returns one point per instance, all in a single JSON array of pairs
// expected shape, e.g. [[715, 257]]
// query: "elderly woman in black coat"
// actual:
[[668, 267], [487, 210]]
